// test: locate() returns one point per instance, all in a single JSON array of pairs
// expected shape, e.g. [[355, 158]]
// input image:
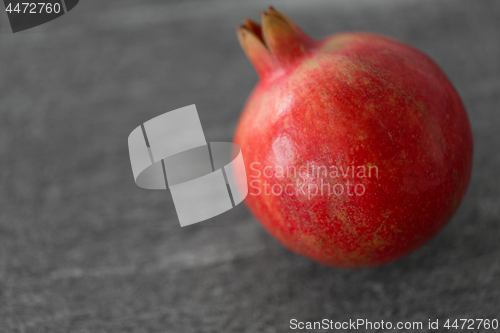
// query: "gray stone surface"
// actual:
[[82, 249]]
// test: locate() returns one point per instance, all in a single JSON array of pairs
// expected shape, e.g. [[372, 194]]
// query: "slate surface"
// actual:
[[82, 249]]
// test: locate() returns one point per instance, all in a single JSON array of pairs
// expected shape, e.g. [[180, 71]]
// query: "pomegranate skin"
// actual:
[[352, 101]]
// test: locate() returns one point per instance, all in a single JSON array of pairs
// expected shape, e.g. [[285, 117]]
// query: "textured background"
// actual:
[[82, 249]]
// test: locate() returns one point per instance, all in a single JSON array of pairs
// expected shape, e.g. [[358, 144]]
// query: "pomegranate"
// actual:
[[357, 147]]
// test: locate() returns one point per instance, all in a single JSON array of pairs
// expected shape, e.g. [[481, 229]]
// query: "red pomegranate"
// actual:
[[357, 147]]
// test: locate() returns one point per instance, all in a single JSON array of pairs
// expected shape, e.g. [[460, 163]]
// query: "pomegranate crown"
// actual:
[[277, 44]]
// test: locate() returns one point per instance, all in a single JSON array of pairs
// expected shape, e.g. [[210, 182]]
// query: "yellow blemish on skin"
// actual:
[[422, 108], [309, 240], [386, 215], [378, 242], [339, 213], [379, 228], [347, 75], [310, 64], [337, 43]]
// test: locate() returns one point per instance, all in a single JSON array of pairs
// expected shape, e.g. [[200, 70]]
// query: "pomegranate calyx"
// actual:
[[256, 50], [279, 43]]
